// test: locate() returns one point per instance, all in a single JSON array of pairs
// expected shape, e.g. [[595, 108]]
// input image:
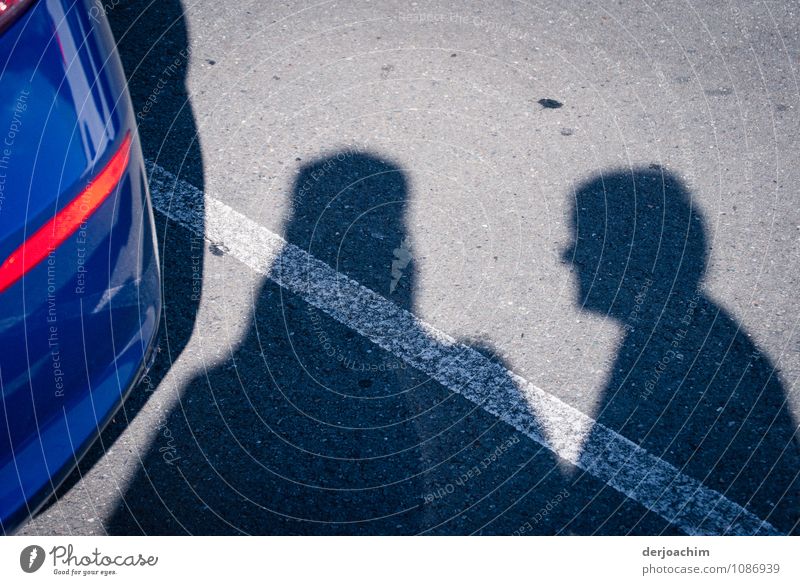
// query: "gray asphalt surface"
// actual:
[[481, 131]]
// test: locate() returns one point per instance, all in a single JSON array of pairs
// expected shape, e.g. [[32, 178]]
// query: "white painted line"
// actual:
[[567, 432]]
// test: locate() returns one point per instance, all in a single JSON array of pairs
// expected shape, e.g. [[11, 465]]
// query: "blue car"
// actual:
[[79, 274]]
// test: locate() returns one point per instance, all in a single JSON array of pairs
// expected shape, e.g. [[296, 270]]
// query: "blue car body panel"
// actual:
[[76, 330]]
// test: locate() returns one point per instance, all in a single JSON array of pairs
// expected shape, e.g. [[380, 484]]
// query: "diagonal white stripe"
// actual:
[[567, 432]]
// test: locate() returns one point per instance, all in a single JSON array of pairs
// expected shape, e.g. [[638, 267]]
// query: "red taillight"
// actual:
[[11, 10], [67, 221]]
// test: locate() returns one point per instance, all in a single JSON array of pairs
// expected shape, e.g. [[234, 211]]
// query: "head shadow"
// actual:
[[687, 383], [349, 210], [633, 232]]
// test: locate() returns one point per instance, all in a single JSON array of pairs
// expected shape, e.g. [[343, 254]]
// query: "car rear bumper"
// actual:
[[36, 471]]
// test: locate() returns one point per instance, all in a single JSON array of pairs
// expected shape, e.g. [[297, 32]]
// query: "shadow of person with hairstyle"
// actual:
[[153, 45], [688, 383], [306, 427]]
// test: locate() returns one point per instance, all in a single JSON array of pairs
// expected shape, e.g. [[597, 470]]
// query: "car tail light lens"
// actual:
[[67, 221], [11, 10]]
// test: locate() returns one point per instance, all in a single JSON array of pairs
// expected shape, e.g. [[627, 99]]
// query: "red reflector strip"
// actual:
[[67, 221]]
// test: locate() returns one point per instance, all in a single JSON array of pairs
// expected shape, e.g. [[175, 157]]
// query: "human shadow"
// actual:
[[688, 383], [311, 433], [308, 427], [153, 45]]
